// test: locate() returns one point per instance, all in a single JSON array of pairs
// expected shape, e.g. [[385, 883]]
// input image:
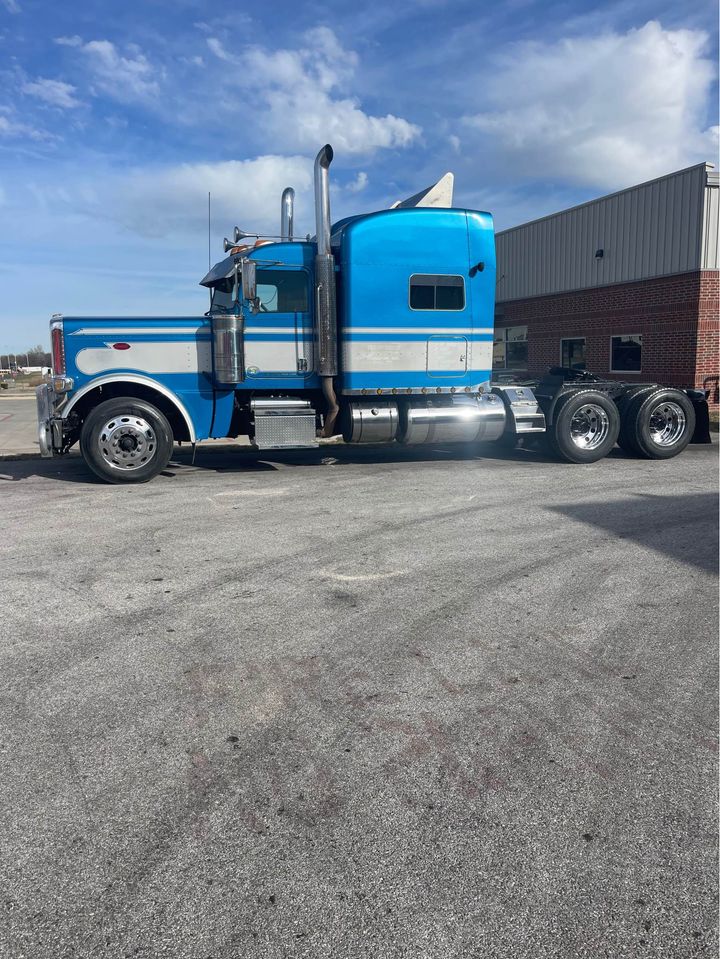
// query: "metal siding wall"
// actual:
[[655, 229]]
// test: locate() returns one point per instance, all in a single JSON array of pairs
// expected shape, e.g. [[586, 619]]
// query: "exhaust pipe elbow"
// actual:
[[322, 198], [325, 156], [287, 213]]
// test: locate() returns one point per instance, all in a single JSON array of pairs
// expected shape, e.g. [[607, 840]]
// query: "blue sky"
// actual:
[[117, 118]]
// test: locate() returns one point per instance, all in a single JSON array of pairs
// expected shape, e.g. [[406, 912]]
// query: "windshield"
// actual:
[[278, 291]]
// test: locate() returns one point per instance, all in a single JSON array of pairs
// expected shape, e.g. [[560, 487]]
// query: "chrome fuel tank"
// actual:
[[370, 422], [465, 419]]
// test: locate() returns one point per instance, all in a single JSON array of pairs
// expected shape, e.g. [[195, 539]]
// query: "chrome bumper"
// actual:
[[50, 425], [44, 415]]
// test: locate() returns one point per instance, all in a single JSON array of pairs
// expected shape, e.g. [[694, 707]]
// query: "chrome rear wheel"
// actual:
[[584, 426], [590, 426], [667, 423], [658, 423]]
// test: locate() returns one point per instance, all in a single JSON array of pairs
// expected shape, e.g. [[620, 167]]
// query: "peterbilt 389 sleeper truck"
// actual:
[[381, 328]]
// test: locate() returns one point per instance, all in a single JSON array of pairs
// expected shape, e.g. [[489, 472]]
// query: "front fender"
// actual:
[[146, 381]]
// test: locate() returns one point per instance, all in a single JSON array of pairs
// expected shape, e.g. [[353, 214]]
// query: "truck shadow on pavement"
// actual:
[[683, 527], [236, 459], [233, 458]]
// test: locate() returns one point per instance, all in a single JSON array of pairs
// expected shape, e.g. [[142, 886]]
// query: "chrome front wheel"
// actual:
[[127, 442]]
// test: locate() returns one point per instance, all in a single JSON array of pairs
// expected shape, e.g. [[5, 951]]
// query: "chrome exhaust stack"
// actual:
[[325, 304], [287, 213]]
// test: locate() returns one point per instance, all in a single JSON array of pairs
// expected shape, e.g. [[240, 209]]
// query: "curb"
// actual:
[[20, 456]]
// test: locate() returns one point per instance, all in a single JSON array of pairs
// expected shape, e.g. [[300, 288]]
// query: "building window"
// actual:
[[510, 350], [626, 353], [572, 353], [433, 291]]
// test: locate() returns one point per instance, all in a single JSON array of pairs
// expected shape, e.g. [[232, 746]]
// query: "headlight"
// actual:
[[62, 384]]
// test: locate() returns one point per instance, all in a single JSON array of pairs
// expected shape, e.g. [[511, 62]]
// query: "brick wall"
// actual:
[[676, 315], [707, 361]]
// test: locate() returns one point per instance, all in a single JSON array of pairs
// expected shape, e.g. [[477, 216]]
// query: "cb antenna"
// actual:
[[209, 264]]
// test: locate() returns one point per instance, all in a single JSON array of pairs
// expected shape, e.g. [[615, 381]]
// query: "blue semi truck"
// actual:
[[380, 328]]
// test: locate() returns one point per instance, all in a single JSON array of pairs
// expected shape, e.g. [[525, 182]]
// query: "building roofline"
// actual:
[[550, 216]]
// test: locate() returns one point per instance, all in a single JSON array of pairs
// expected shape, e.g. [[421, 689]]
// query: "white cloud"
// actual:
[[122, 78], [13, 128], [218, 49], [359, 183], [12, 6], [608, 110], [54, 92], [455, 142], [302, 102], [68, 41], [173, 200]]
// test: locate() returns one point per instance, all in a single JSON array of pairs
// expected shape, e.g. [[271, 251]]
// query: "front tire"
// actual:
[[585, 427], [658, 425], [126, 440]]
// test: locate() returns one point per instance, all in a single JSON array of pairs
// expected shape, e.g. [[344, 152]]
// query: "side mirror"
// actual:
[[249, 280]]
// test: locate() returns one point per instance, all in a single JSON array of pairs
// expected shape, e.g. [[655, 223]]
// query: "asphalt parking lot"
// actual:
[[360, 703], [18, 423]]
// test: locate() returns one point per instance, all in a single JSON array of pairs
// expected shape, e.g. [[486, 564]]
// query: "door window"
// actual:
[[282, 291]]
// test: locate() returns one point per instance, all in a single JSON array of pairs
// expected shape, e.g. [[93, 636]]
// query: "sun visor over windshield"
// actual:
[[220, 271]]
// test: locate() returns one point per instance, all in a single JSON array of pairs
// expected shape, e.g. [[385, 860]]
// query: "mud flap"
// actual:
[[702, 416]]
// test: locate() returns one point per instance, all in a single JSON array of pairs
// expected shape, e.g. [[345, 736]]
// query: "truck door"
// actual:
[[279, 338], [481, 291]]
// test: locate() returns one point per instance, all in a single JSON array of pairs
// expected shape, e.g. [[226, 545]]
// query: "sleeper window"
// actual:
[[434, 291]]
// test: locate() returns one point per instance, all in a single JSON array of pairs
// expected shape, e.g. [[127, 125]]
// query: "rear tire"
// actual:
[[126, 440], [658, 425], [623, 401], [585, 427]]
